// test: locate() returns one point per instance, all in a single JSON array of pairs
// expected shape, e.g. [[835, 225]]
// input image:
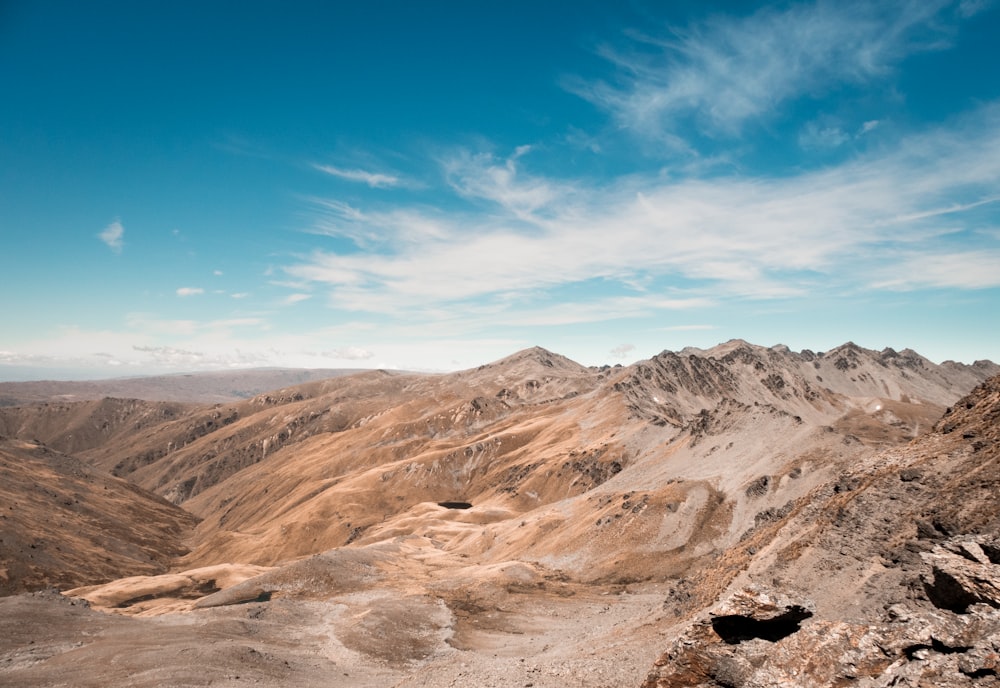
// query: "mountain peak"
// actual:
[[539, 356]]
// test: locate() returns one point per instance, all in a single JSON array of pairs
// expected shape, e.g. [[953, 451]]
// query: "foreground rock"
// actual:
[[761, 640], [888, 577]]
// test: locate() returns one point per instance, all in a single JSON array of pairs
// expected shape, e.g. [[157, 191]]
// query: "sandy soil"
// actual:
[[593, 638]]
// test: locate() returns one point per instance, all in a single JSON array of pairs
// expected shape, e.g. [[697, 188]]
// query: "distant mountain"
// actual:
[[203, 388]]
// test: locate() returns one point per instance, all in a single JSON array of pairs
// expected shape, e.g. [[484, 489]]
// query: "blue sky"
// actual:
[[188, 186]]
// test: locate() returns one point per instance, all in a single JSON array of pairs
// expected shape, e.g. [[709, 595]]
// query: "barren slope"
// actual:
[[889, 564], [667, 461], [531, 521], [64, 523]]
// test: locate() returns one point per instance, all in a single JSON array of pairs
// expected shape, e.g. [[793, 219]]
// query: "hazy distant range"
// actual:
[[203, 388]]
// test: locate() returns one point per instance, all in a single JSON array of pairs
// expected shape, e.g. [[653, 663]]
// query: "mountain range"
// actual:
[[529, 522]]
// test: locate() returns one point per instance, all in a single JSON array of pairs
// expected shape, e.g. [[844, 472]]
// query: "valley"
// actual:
[[528, 522]]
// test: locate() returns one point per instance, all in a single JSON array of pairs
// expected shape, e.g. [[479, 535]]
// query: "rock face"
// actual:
[[667, 463], [757, 640], [890, 578], [962, 574]]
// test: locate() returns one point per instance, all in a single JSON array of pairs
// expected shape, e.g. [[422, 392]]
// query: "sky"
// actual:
[[432, 186]]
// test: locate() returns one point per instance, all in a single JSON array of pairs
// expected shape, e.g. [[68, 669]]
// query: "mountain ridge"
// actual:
[[443, 512], [477, 425]]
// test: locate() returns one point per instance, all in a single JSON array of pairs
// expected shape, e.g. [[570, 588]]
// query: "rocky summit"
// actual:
[[737, 516]]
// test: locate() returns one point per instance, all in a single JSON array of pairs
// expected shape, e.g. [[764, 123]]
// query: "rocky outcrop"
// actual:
[[962, 574], [664, 389], [762, 639], [902, 560]]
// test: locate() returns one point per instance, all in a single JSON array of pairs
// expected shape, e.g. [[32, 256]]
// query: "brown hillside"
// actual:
[[64, 523]]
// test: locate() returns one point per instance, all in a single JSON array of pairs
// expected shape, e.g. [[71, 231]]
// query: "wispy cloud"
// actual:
[[296, 298], [482, 176], [189, 291], [17, 358], [970, 8], [727, 70], [622, 351], [114, 236], [720, 238], [869, 126], [827, 133], [372, 230], [226, 323], [815, 136], [349, 353], [962, 270], [376, 180], [170, 355], [581, 312]]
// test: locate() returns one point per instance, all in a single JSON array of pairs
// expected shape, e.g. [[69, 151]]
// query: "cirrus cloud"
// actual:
[[376, 180], [718, 74], [848, 227]]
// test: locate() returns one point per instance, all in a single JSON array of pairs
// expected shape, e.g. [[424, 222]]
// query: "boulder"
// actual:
[[779, 642], [960, 574]]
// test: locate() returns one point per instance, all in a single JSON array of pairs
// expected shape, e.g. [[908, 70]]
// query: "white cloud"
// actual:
[[970, 8], [154, 326], [482, 176], [114, 236], [23, 359], [296, 298], [960, 270], [171, 355], [727, 70], [686, 328], [190, 291], [369, 230], [622, 351], [869, 126], [217, 273], [349, 353], [765, 237], [147, 344], [813, 136], [590, 311], [240, 295], [236, 322], [375, 180]]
